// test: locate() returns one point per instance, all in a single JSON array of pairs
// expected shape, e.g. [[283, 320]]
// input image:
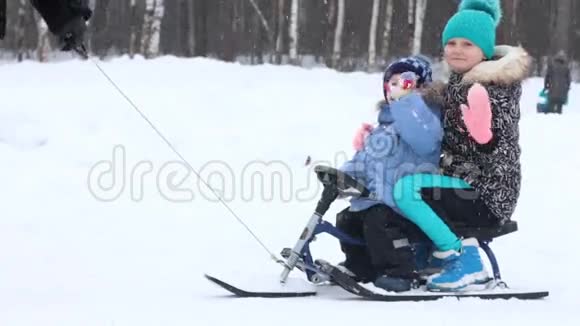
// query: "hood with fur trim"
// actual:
[[509, 64]]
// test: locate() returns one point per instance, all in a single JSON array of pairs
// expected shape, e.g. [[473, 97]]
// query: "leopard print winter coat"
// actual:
[[493, 169]]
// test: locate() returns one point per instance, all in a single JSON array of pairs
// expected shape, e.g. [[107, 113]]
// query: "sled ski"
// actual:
[[253, 294], [363, 293]]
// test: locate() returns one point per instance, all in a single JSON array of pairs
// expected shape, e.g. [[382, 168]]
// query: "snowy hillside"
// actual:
[[100, 224]]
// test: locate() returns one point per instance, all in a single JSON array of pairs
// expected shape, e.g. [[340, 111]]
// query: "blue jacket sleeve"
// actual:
[[417, 124]]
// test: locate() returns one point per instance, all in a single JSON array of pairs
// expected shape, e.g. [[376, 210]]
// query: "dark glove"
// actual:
[[81, 8], [71, 37], [72, 34]]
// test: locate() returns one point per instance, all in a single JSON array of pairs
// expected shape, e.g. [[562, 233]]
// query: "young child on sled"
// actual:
[[405, 140]]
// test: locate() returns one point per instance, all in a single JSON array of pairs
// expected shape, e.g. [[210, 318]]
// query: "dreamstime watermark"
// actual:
[[110, 180], [175, 181]]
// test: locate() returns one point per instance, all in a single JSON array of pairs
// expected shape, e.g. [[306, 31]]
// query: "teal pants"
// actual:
[[407, 196]]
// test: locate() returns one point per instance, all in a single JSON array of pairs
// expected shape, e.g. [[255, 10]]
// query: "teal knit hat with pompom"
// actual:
[[475, 20]]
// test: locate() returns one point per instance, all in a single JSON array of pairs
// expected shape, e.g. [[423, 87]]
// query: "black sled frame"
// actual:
[[338, 184]]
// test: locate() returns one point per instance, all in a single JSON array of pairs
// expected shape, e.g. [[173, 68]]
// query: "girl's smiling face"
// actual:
[[462, 55]]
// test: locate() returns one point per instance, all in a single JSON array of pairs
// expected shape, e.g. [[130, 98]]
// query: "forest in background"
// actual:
[[347, 35]]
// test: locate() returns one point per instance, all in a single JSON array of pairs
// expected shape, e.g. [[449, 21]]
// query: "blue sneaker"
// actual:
[[460, 269]]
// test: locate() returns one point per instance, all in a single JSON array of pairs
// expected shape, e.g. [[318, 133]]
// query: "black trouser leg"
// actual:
[[357, 258], [387, 244], [387, 251], [555, 106], [459, 206]]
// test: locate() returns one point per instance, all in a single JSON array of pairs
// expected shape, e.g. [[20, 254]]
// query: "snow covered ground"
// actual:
[[101, 225]]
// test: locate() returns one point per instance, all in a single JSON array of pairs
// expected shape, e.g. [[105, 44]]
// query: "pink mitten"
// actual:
[[477, 115], [359, 138]]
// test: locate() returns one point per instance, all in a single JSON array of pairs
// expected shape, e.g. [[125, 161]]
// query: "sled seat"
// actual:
[[485, 233]]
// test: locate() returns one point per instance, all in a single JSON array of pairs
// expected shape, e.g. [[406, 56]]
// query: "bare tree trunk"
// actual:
[[420, 8], [258, 46], [262, 19], [387, 29], [43, 47], [136, 30], [280, 36], [152, 27], [21, 29], [329, 33], [293, 52], [89, 34], [373, 34], [147, 27], [507, 34], [122, 27], [133, 29], [331, 14], [562, 26], [201, 27], [156, 27], [515, 5], [337, 48], [191, 28], [411, 22]]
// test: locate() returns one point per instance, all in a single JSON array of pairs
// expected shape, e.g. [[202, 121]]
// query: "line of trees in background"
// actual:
[[342, 34]]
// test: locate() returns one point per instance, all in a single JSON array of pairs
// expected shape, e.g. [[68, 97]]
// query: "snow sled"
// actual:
[[543, 105], [340, 185]]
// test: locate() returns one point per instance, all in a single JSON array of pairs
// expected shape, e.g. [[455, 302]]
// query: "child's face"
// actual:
[[462, 55], [400, 85]]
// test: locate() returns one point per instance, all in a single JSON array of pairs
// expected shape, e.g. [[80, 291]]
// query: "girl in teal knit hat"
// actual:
[[480, 180]]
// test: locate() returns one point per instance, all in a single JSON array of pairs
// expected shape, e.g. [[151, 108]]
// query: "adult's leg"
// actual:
[[407, 196], [551, 106], [458, 206], [434, 202]]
